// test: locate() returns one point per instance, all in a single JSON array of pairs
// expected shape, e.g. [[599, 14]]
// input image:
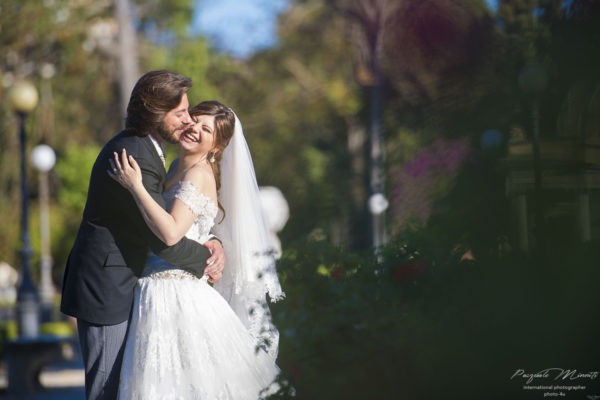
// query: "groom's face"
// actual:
[[175, 122]]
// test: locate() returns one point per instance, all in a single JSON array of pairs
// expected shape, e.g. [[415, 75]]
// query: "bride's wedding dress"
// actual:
[[185, 342]]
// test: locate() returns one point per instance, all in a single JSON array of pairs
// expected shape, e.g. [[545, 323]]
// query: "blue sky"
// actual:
[[241, 27], [493, 4]]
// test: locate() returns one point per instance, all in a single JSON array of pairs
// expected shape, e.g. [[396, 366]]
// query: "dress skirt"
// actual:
[[185, 342]]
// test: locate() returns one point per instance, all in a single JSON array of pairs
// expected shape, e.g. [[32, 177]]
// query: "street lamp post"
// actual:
[[377, 206], [23, 98], [43, 159]]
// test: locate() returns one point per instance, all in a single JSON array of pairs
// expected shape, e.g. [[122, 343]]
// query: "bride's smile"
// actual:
[[201, 134]]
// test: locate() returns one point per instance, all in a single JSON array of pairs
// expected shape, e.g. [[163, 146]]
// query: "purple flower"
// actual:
[[421, 180]]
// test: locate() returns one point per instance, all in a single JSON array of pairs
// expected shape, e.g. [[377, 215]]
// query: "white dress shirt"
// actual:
[[159, 150]]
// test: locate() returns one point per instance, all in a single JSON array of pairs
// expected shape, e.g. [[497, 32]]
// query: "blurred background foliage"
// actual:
[[450, 72], [451, 283]]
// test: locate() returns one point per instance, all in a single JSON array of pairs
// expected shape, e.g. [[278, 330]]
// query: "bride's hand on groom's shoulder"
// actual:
[[126, 171], [216, 262]]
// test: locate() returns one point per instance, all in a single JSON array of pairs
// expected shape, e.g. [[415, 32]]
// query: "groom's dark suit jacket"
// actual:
[[113, 240]]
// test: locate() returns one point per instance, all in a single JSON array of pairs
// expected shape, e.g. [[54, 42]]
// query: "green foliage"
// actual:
[[74, 170], [417, 327], [172, 16], [8, 330], [191, 57], [9, 237], [64, 222], [63, 329]]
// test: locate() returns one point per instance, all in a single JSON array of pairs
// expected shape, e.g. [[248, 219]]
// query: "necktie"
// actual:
[[161, 154]]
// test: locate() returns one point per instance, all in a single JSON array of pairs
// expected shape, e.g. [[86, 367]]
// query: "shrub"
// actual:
[[405, 325]]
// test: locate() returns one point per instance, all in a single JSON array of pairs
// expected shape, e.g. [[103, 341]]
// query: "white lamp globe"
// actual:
[[48, 70], [275, 207], [43, 158], [377, 203], [23, 96]]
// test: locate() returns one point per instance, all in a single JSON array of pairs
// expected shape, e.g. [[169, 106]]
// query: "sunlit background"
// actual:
[[440, 160]]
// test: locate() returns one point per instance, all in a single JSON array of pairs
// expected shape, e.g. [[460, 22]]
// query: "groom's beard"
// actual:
[[167, 135]]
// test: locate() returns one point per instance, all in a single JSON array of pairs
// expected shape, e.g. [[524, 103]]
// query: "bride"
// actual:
[[186, 340]]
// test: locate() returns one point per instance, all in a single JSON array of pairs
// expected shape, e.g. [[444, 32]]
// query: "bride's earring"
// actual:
[[212, 158]]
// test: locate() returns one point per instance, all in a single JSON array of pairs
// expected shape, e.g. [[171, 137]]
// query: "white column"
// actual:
[[46, 287]]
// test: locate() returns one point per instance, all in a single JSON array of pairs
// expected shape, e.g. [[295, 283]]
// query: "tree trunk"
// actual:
[[127, 53], [377, 172], [357, 221]]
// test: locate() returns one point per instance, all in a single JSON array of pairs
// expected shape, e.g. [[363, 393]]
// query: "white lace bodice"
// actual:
[[205, 210], [202, 206]]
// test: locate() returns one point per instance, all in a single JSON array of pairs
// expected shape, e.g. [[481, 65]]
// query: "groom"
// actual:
[[113, 241]]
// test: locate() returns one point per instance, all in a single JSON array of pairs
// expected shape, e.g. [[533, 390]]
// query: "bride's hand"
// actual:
[[126, 171]]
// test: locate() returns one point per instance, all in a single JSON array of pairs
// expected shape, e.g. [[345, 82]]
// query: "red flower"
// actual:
[[336, 272], [408, 271]]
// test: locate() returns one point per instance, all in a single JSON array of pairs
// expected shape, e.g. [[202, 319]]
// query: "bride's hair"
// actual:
[[224, 128]]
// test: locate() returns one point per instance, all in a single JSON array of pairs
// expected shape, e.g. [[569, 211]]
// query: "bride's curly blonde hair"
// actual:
[[224, 128]]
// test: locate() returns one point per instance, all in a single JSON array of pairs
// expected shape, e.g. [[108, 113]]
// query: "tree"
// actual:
[[68, 50], [373, 19], [300, 104]]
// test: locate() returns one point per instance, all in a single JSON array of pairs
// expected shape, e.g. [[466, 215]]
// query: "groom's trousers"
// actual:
[[102, 349]]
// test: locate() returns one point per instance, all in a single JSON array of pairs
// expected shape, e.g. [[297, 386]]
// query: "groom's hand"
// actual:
[[216, 262]]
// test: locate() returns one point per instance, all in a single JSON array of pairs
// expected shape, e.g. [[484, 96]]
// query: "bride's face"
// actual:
[[201, 136]]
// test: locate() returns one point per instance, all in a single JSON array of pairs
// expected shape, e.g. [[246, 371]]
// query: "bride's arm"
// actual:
[[168, 227]]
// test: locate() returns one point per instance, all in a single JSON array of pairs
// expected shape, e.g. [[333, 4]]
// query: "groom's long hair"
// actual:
[[224, 128], [153, 96]]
